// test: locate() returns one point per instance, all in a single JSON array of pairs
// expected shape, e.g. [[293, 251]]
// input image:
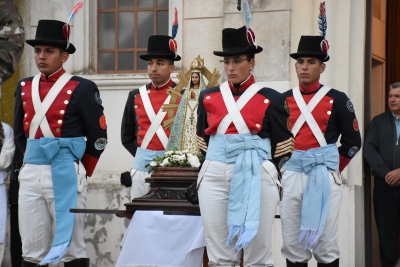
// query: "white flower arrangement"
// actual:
[[176, 158]]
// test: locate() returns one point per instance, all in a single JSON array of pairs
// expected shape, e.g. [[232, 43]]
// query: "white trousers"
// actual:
[[327, 248], [36, 213], [213, 198], [139, 186]]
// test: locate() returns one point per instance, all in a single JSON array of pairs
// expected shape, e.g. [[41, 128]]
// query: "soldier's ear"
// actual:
[[323, 66], [171, 68], [64, 57]]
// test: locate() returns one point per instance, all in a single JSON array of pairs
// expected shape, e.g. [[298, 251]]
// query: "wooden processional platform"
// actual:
[[167, 186]]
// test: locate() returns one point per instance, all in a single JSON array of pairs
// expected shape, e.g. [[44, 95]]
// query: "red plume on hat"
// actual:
[[173, 45], [67, 27], [55, 33], [322, 25]]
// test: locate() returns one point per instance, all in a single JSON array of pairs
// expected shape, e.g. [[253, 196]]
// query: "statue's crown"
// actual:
[[197, 64]]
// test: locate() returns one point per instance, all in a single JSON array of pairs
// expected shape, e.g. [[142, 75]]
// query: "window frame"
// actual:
[[135, 50]]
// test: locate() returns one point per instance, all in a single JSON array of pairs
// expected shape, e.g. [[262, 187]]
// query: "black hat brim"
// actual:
[[161, 54], [59, 44], [320, 55], [233, 51]]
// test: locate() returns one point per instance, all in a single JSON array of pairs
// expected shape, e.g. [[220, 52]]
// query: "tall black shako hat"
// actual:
[[159, 46], [52, 33], [315, 46], [56, 33], [312, 46], [236, 42], [164, 46]]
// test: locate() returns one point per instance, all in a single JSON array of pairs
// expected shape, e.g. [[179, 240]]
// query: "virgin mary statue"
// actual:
[[183, 130]]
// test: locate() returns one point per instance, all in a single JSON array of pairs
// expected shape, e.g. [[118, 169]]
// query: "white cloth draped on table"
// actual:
[[158, 240]]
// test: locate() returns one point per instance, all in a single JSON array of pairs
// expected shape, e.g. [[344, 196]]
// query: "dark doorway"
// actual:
[[382, 52], [393, 41]]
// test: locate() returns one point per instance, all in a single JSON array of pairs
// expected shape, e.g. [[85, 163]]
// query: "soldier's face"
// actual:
[[159, 70], [309, 70], [49, 59], [237, 68]]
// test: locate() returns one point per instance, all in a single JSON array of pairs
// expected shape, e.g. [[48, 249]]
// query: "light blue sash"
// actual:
[[60, 153], [144, 157], [315, 163], [247, 151]]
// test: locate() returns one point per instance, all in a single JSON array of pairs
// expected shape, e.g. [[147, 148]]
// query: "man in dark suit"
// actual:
[[382, 152]]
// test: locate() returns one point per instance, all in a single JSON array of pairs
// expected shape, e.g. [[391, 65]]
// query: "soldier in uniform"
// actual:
[[60, 126], [311, 177], [242, 129], [142, 133], [11, 39]]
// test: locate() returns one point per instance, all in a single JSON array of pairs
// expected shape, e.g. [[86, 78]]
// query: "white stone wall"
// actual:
[[278, 25]]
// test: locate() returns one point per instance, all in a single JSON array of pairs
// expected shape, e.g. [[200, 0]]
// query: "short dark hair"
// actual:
[[170, 61], [250, 55], [63, 50], [316, 58], [395, 85]]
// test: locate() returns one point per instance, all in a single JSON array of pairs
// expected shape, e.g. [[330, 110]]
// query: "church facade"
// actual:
[[109, 37]]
